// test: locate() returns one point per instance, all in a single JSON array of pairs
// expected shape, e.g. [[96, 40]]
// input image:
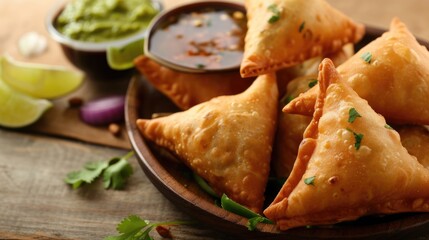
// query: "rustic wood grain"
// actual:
[[35, 203]]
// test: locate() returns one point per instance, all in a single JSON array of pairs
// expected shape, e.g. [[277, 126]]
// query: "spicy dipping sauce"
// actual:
[[209, 39]]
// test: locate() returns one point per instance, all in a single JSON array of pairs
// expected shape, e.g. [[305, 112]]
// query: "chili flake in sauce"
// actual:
[[209, 39]]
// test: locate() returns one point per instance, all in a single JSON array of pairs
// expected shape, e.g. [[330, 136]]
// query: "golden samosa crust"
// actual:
[[283, 33], [394, 78], [348, 166], [290, 127], [227, 140], [416, 140], [188, 89]]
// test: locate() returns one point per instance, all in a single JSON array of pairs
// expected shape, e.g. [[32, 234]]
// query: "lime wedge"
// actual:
[[19, 110], [121, 58], [38, 80]]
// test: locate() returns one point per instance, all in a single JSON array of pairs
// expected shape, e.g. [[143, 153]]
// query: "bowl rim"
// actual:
[[56, 9], [183, 8]]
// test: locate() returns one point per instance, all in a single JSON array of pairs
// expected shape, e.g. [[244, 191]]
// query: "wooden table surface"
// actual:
[[35, 203]]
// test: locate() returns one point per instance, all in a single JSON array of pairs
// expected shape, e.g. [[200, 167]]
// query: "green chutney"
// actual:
[[104, 20]]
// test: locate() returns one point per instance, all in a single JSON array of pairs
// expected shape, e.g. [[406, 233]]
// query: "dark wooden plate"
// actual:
[[175, 182]]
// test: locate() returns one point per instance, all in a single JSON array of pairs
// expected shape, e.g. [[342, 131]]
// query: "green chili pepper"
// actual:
[[203, 185], [254, 218]]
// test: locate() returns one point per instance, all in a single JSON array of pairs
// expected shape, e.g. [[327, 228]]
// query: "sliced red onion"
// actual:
[[103, 111]]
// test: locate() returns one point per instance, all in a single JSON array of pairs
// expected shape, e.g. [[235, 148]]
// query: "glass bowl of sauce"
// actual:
[[86, 28], [198, 37]]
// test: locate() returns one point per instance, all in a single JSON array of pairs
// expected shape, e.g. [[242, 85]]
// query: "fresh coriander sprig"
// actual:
[[135, 228], [115, 172]]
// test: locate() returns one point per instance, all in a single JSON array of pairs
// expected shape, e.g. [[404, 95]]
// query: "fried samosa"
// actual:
[[283, 33], [310, 67], [391, 73], [187, 89], [290, 128], [350, 164], [227, 140], [416, 140]]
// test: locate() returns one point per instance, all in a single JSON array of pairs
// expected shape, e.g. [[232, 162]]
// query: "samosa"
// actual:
[[350, 164], [227, 140]]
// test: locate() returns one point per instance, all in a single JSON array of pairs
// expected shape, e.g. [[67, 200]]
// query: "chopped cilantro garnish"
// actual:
[[200, 66], [133, 227], [285, 100], [276, 13], [115, 172], [358, 138], [366, 57], [388, 126], [274, 19], [353, 114], [312, 83], [301, 27], [310, 180]]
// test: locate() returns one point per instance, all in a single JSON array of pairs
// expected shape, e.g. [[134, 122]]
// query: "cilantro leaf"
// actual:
[[301, 27], [276, 13], [312, 83], [200, 66], [115, 175], [128, 228], [285, 100], [274, 18], [131, 224], [366, 57], [114, 171], [310, 180], [353, 114], [135, 228], [90, 172], [358, 138]]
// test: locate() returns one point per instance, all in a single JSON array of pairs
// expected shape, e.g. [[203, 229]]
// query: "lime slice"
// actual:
[[121, 58], [37, 80], [19, 110]]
